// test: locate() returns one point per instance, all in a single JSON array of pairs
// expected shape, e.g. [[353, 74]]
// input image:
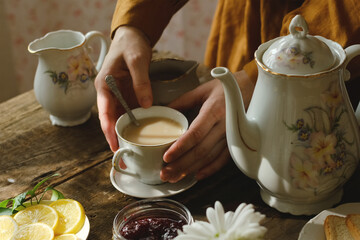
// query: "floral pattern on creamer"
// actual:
[[79, 71], [321, 158], [292, 57]]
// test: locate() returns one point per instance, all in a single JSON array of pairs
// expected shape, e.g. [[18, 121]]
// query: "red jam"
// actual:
[[152, 229]]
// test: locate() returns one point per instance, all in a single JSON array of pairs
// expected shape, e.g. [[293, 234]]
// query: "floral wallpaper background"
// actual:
[[22, 21]]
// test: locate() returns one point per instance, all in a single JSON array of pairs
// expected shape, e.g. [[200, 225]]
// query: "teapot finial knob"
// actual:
[[298, 53], [297, 23]]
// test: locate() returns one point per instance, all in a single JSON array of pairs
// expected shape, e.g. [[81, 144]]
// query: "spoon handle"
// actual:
[[109, 79]]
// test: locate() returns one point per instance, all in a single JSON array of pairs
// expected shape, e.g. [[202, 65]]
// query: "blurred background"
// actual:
[[22, 21]]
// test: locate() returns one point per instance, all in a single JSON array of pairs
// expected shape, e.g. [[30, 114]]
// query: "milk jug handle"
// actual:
[[104, 46]]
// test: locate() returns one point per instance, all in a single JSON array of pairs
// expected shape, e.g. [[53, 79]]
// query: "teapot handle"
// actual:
[[351, 52], [104, 46]]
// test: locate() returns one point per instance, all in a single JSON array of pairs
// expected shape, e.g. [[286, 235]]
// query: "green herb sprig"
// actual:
[[10, 206]]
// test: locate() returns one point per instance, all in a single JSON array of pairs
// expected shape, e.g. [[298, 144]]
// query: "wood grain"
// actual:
[[31, 149]]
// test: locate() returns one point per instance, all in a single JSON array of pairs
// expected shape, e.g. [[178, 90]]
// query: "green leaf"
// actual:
[[5, 211], [56, 195], [19, 200], [4, 203], [41, 182]]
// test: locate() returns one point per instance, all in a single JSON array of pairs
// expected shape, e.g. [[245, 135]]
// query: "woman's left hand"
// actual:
[[203, 150]]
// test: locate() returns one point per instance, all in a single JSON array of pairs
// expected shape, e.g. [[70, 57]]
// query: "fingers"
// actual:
[[214, 166], [137, 55], [202, 165], [139, 69], [211, 113], [202, 149], [128, 61], [108, 106], [193, 136], [108, 115], [202, 156]]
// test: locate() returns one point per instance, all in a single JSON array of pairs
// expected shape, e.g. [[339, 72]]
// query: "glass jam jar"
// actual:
[[156, 219]]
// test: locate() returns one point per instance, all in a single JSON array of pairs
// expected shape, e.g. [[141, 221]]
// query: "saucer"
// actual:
[[84, 231], [314, 228], [133, 187]]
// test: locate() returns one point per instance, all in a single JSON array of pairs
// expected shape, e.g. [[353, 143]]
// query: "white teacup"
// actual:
[[143, 156]]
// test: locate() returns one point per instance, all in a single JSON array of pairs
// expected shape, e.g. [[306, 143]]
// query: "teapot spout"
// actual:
[[242, 134]]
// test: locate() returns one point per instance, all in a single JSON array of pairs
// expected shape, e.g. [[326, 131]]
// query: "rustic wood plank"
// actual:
[[229, 186], [29, 142], [31, 149]]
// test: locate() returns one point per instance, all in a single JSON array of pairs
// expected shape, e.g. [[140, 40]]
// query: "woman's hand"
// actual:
[[128, 62], [202, 150]]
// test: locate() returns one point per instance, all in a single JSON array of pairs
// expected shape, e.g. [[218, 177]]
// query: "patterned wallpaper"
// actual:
[[26, 20]]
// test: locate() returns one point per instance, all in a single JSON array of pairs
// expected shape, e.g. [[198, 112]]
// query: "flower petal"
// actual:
[[198, 230], [216, 217]]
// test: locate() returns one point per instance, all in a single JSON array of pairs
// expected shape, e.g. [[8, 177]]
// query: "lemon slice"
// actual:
[[8, 227], [66, 237], [37, 213], [71, 216], [38, 231]]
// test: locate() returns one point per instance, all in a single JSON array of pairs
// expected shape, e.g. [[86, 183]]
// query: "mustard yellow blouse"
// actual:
[[240, 26]]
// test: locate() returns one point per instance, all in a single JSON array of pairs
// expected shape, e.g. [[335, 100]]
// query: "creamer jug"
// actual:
[[64, 78]]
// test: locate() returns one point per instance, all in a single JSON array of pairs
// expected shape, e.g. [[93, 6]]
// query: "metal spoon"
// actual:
[[109, 79]]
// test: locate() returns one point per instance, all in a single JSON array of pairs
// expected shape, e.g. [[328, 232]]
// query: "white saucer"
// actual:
[[133, 187], [314, 228], [84, 231]]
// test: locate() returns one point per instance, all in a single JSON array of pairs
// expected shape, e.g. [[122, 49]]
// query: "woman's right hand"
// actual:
[[128, 62]]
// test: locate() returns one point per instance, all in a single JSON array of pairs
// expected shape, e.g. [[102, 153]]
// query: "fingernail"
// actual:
[[165, 158]]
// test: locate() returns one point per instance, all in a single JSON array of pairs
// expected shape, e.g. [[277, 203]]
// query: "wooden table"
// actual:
[[31, 149]]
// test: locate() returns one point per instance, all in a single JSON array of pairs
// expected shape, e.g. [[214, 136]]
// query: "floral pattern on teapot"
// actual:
[[292, 56], [80, 70], [321, 148]]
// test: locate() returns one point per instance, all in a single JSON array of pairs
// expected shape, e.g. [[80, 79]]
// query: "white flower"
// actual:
[[243, 224]]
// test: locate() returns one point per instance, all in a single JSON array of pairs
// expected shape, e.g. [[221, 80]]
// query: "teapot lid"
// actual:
[[298, 53]]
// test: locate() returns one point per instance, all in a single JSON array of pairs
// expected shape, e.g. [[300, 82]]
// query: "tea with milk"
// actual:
[[153, 131]]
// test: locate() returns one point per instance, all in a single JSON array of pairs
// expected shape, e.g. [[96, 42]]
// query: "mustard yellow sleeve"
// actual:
[[333, 19], [251, 69], [149, 16]]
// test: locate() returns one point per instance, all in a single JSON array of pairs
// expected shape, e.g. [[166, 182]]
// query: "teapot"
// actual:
[[299, 138], [64, 76]]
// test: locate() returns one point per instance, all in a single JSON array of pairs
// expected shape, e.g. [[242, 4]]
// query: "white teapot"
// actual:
[[299, 138]]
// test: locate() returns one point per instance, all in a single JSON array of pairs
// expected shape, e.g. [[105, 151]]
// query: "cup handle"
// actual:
[[116, 158], [104, 46]]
